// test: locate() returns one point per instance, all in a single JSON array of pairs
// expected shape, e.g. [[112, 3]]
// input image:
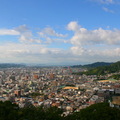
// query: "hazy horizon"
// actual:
[[42, 65]]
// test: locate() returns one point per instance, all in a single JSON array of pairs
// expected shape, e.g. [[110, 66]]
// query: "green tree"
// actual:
[[100, 111], [8, 111]]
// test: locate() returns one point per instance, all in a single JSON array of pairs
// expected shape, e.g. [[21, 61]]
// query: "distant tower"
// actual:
[[1, 81], [17, 93], [69, 69], [35, 76], [51, 75]]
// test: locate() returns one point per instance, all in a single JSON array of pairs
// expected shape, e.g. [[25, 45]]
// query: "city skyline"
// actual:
[[59, 32]]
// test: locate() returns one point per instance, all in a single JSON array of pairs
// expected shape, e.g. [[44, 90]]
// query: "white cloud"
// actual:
[[26, 35], [22, 28], [23, 33], [77, 50], [96, 54], [106, 52], [84, 46], [94, 45], [107, 10], [82, 36], [49, 31], [9, 32], [107, 1], [27, 53], [73, 26], [26, 38], [47, 35], [111, 52], [104, 1], [51, 35], [36, 53]]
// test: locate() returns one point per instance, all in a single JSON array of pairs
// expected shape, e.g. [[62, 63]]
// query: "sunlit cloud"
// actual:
[[83, 36]]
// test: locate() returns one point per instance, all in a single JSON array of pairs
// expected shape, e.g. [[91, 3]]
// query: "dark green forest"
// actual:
[[100, 111]]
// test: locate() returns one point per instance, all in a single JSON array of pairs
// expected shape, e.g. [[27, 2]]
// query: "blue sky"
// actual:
[[59, 32]]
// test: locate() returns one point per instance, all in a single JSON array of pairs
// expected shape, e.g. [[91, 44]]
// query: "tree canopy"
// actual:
[[100, 111]]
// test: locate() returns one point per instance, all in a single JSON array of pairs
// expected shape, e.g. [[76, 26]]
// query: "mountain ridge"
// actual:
[[92, 65], [102, 70]]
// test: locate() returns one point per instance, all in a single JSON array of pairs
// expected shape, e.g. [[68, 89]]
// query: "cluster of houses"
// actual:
[[56, 87]]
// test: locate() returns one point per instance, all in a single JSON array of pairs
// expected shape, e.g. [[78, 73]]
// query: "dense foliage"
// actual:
[[100, 111], [9, 111], [117, 77], [35, 94]]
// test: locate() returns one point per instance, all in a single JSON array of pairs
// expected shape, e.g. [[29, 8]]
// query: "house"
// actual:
[[115, 102]]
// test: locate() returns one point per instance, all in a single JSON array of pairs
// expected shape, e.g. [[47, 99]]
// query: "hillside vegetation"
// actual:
[[100, 111], [112, 68], [93, 65]]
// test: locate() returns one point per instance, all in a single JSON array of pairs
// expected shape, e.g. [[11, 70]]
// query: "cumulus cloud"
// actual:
[[83, 46], [51, 35], [51, 32], [22, 28], [111, 52], [26, 35], [94, 45], [77, 50], [25, 49], [36, 53], [83, 36], [47, 35], [33, 53], [106, 52], [73, 26], [28, 38], [98, 54], [23, 33]]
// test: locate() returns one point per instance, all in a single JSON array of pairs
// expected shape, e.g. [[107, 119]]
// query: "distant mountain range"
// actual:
[[11, 65], [93, 65]]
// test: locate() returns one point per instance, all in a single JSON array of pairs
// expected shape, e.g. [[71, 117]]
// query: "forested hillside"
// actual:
[[93, 65], [112, 68], [100, 111]]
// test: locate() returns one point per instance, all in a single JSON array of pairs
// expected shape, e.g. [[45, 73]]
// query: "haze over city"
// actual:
[[60, 32]]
